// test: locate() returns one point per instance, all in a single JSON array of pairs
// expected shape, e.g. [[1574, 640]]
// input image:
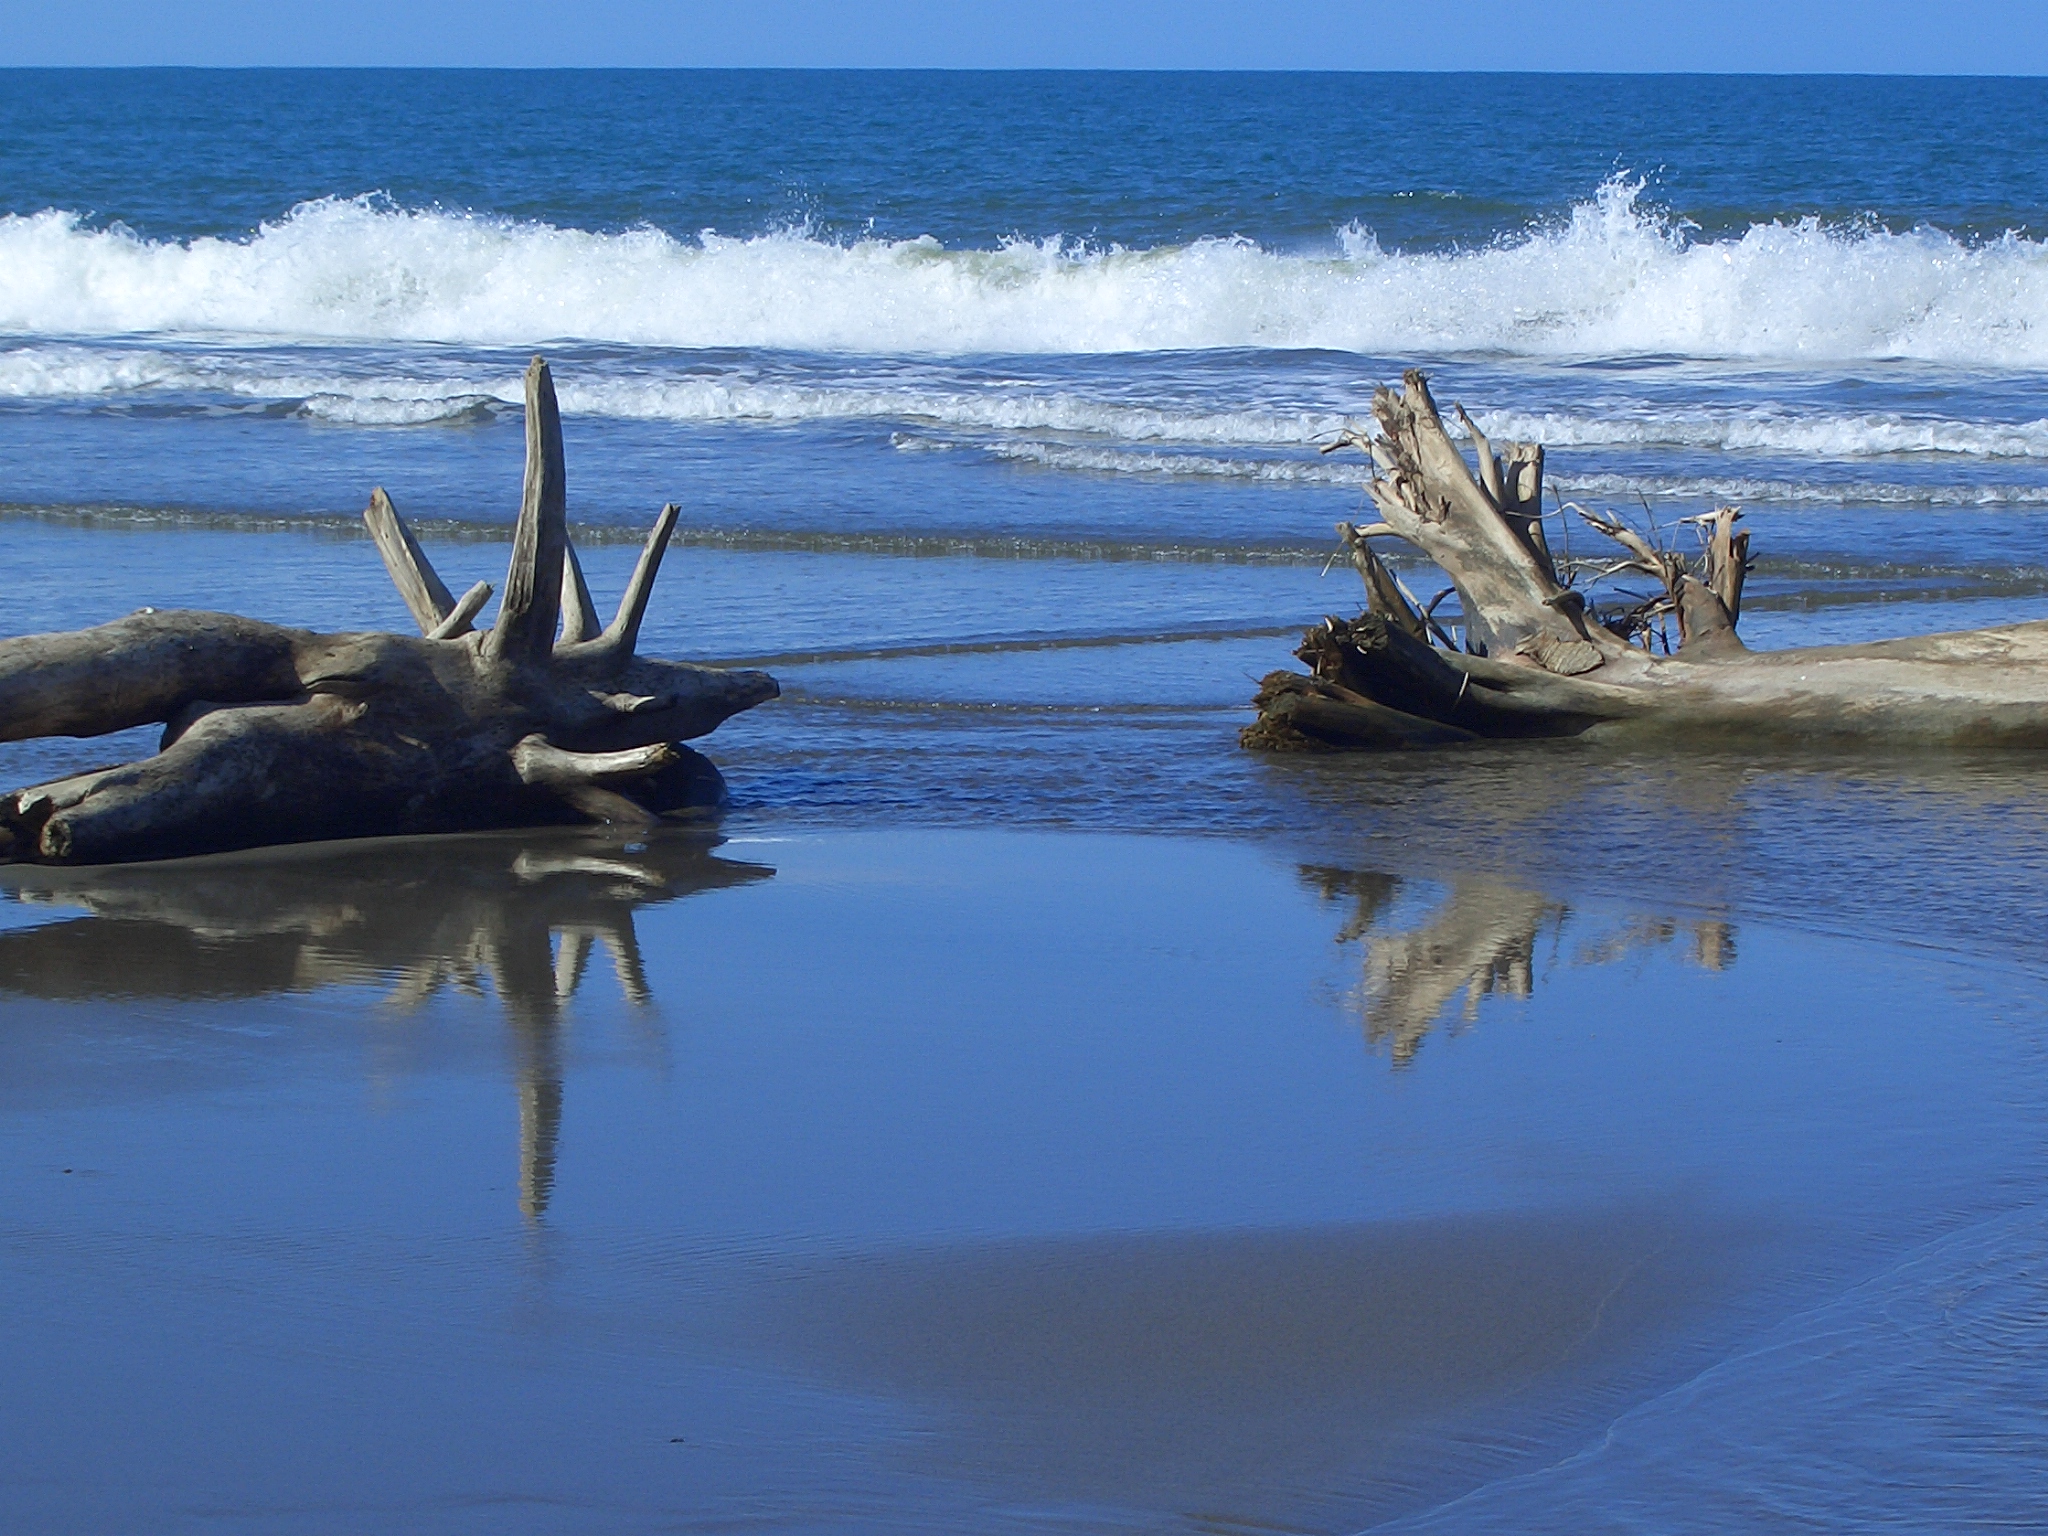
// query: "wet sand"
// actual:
[[1250, 1375], [949, 1181]]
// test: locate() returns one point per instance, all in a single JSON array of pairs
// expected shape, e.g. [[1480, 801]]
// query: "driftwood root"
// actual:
[[276, 735], [1530, 652]]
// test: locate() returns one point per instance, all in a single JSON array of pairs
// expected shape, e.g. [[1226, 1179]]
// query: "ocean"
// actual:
[[995, 405]]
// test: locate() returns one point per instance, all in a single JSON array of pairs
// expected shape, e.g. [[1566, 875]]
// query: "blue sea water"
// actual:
[[994, 405]]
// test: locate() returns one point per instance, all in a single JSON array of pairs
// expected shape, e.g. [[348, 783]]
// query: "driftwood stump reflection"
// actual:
[[512, 916], [1480, 939]]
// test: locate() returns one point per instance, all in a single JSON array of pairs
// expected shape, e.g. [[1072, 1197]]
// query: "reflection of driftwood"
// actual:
[[1479, 940], [1536, 659], [520, 914], [276, 735], [1370, 891], [1711, 941]]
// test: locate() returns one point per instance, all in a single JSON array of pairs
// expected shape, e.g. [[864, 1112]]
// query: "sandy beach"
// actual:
[[937, 1178]]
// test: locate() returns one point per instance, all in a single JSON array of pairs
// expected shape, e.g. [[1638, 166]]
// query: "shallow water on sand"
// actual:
[[981, 1181]]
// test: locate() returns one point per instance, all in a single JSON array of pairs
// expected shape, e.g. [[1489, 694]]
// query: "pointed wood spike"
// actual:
[[1489, 466], [623, 633], [579, 613], [539, 761], [463, 613], [531, 606], [426, 598]]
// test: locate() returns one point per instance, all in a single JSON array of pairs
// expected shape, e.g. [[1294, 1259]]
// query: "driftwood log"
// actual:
[[275, 735], [1528, 655]]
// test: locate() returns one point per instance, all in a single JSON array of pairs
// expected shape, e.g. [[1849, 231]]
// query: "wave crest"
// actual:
[[1613, 278]]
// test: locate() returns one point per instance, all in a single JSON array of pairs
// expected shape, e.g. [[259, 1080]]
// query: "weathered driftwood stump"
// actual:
[[1537, 659], [275, 735]]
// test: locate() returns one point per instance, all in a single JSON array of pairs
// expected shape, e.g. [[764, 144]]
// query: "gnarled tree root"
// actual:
[[275, 735], [1538, 660]]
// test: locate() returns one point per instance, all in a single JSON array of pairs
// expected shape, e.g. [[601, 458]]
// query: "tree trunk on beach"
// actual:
[[1536, 659], [275, 735]]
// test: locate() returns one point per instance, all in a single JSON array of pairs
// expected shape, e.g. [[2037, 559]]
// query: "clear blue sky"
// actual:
[[1877, 36]]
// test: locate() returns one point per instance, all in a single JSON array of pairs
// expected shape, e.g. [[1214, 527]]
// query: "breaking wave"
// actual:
[[1614, 277]]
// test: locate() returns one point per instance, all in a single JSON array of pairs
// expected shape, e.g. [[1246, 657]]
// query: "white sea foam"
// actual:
[[1111, 461], [1591, 489], [65, 371], [386, 411], [1818, 434], [1613, 279], [1019, 406], [1084, 422], [1751, 490]]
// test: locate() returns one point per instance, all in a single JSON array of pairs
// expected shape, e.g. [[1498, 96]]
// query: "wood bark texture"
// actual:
[[1537, 659], [276, 735]]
